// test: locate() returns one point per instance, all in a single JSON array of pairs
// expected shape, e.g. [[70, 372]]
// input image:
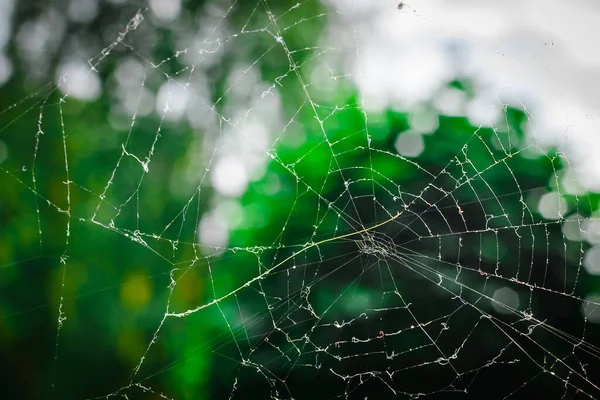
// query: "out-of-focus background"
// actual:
[[281, 199]]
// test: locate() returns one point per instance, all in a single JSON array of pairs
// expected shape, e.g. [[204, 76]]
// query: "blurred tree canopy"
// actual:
[[100, 212]]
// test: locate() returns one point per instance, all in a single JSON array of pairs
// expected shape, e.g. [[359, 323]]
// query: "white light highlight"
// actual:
[[76, 79], [229, 176], [552, 206], [591, 260], [410, 144], [165, 10], [506, 296]]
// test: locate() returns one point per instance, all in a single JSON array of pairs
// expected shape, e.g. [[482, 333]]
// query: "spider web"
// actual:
[[307, 243]]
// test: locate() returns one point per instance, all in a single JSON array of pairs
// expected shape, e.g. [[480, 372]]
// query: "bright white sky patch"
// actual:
[[414, 79], [544, 56]]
